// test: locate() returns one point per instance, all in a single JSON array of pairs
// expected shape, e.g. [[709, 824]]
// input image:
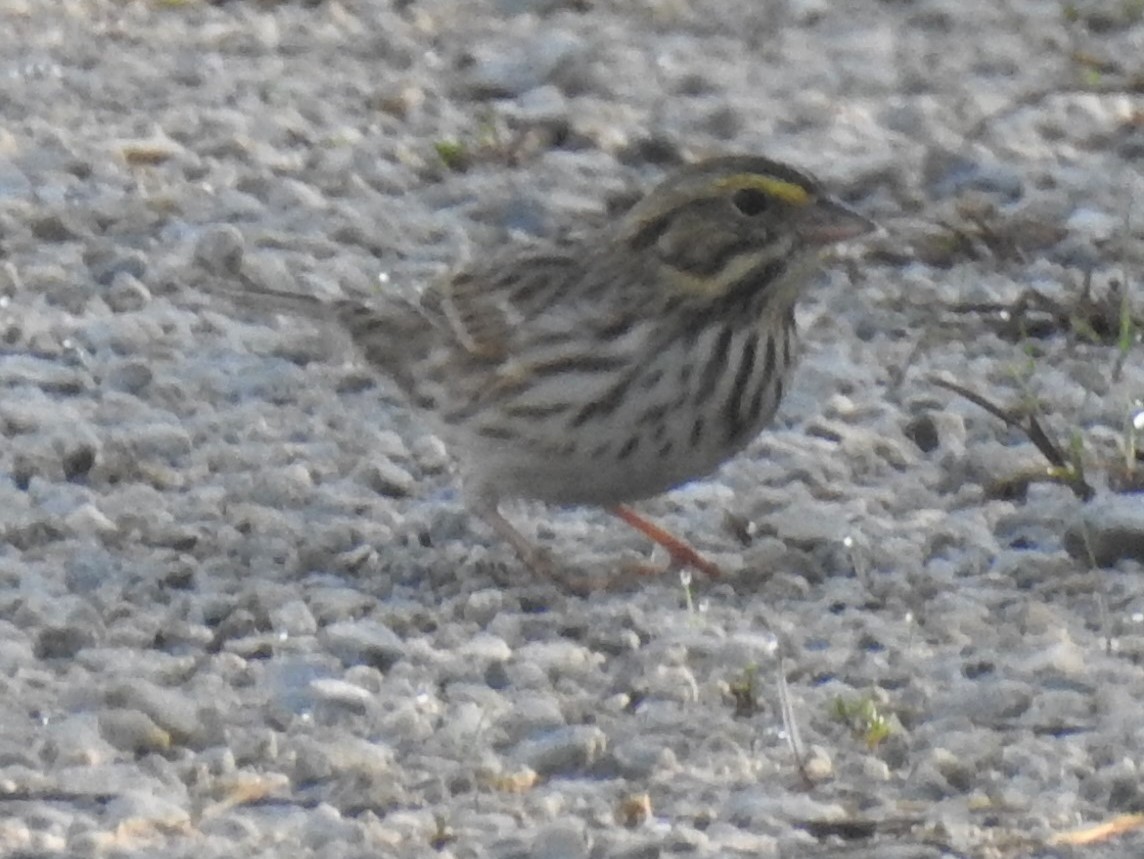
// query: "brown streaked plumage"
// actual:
[[620, 365]]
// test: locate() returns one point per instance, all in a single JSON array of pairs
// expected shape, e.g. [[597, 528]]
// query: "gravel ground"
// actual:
[[242, 611]]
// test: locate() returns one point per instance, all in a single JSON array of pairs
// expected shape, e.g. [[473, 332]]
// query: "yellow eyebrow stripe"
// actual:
[[788, 192]]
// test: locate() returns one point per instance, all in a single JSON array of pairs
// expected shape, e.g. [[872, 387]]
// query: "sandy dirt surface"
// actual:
[[242, 609]]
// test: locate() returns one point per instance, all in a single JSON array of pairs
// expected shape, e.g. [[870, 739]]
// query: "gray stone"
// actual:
[[561, 840], [509, 70], [564, 751], [293, 618], [949, 174], [130, 377], [63, 642], [340, 694], [127, 293], [105, 261], [169, 709], [132, 731], [386, 477], [365, 641], [1108, 530], [220, 250]]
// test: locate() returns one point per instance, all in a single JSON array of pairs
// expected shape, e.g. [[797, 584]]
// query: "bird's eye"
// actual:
[[751, 201]]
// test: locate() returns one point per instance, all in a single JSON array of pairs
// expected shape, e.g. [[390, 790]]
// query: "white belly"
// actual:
[[667, 426]]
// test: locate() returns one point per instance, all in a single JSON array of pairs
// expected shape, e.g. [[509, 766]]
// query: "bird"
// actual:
[[614, 364]]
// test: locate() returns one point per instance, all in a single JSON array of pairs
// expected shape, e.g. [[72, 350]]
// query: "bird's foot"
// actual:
[[680, 553]]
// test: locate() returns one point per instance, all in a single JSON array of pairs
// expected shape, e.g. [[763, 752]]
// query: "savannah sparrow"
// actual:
[[617, 365]]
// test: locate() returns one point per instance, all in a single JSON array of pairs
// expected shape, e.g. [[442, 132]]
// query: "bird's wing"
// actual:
[[491, 310]]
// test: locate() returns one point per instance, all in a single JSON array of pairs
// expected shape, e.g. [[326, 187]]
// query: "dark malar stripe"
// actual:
[[732, 408], [755, 282]]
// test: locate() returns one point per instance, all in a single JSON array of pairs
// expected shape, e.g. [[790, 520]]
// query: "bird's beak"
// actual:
[[827, 220]]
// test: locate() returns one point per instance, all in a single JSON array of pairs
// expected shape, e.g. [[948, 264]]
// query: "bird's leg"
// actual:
[[540, 562], [534, 558], [681, 553]]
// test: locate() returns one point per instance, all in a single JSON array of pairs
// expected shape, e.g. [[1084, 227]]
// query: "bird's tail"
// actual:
[[390, 333], [253, 295], [243, 282], [221, 253]]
